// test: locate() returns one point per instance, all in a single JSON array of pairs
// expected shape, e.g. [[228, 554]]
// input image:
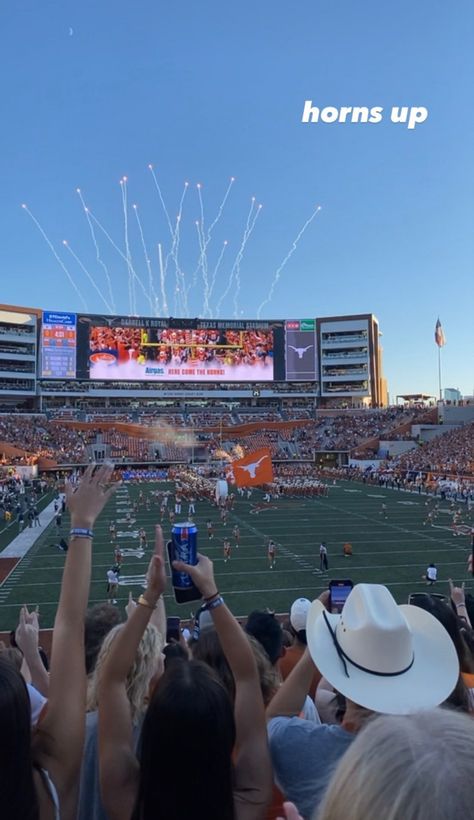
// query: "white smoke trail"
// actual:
[[204, 243], [248, 230], [131, 278], [122, 255], [218, 264], [56, 256], [97, 251], [288, 256], [164, 300], [165, 210], [151, 287], [246, 235], [175, 244], [89, 276], [220, 210]]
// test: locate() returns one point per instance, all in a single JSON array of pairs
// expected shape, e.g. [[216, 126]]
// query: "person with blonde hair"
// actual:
[[142, 676], [414, 767], [199, 755]]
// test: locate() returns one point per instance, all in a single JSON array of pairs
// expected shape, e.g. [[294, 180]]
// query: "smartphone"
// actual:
[[183, 588], [172, 629], [338, 594]]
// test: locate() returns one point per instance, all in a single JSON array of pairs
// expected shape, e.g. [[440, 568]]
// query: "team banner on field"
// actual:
[[254, 469]]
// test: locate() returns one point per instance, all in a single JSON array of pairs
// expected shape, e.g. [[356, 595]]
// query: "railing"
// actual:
[[337, 340]]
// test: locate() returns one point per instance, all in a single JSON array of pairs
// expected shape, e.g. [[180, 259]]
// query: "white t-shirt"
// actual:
[[112, 577], [432, 574]]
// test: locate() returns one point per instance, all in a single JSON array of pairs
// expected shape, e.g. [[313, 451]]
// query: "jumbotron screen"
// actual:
[[182, 350]]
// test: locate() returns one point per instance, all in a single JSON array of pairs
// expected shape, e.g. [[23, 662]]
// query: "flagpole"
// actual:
[[439, 373]]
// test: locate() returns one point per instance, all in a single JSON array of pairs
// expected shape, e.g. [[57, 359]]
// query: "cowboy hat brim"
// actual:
[[428, 682]]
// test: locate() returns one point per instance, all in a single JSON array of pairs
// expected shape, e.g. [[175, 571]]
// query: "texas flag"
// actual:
[[440, 338], [254, 469]]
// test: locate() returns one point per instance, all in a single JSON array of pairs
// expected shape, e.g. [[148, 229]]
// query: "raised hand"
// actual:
[[131, 605], [458, 595], [201, 573], [156, 574], [27, 631], [86, 500]]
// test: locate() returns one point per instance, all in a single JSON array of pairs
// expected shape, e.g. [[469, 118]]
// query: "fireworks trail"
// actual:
[[220, 210], [122, 255], [248, 230], [164, 301], [89, 276], [56, 255], [163, 267], [218, 264], [203, 263], [204, 243], [165, 210], [131, 278], [180, 292], [97, 251], [246, 235], [175, 244], [219, 276], [288, 256], [151, 287]]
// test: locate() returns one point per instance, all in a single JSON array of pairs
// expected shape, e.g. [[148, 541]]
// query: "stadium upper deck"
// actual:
[[47, 356]]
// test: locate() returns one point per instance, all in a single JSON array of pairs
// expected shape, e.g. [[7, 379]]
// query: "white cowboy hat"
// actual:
[[388, 658], [299, 613]]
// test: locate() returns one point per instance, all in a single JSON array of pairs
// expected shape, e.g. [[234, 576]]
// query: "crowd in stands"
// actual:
[[360, 714], [209, 419], [452, 453], [335, 432]]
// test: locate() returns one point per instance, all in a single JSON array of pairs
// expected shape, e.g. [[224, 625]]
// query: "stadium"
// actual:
[[355, 490]]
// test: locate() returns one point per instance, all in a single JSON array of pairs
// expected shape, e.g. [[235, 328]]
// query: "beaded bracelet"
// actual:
[[81, 532], [215, 603]]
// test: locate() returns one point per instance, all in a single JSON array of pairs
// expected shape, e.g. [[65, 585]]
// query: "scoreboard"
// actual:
[[58, 345]]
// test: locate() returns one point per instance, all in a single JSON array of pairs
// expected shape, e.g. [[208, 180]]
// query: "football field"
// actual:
[[394, 550]]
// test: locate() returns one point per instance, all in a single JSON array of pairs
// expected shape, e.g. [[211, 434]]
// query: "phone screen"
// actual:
[[172, 629], [339, 592]]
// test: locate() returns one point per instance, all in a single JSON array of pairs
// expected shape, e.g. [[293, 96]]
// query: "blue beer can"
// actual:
[[184, 545]]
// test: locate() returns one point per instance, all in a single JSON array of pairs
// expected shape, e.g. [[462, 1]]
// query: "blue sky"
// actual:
[[94, 91]]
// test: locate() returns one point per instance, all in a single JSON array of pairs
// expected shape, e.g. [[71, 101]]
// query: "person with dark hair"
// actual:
[[462, 697], [99, 620], [174, 652], [209, 650], [39, 778], [267, 631], [298, 614], [189, 723]]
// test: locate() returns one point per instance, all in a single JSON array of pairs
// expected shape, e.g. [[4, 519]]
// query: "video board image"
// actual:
[[180, 354]]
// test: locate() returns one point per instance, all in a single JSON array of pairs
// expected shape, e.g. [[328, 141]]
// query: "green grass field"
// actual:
[[395, 551]]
